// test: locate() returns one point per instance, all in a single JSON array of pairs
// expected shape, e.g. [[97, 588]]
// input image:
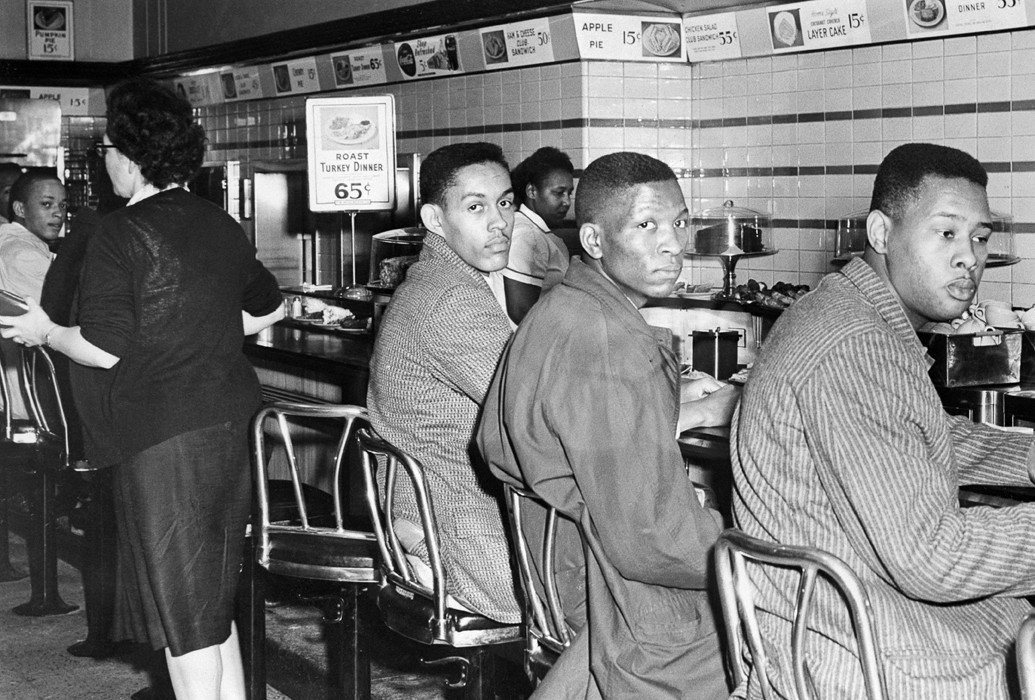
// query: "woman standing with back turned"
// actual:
[[169, 288]]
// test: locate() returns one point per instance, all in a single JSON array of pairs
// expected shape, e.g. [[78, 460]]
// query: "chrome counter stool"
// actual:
[[40, 446], [294, 534], [1025, 655], [416, 609], [546, 632], [733, 551]]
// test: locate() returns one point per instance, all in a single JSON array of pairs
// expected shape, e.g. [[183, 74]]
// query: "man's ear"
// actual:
[[431, 216], [878, 227], [530, 191], [589, 237], [19, 208]]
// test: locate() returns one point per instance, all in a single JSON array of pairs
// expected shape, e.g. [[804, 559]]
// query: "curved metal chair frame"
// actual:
[[409, 607], [289, 540], [1026, 656], [40, 445], [546, 632], [737, 595]]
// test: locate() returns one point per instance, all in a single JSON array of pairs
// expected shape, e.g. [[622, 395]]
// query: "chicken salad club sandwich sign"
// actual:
[[351, 150]]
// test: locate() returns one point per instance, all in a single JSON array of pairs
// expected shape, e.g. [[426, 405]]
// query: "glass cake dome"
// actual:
[[728, 230]]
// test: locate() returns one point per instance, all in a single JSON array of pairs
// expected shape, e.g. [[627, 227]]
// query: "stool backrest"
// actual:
[[545, 624], [737, 595], [44, 401], [276, 417], [1026, 656], [377, 453], [7, 350]]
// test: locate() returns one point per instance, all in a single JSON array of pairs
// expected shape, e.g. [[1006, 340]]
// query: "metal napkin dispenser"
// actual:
[[974, 359], [715, 352]]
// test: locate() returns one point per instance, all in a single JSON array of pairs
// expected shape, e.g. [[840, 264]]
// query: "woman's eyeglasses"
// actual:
[[102, 148]]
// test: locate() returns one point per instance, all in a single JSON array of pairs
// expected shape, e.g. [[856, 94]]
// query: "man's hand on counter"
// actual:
[[713, 409]]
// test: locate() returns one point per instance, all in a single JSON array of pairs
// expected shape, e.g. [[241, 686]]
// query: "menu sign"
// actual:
[[351, 143], [295, 77], [73, 101], [518, 44], [197, 89], [819, 24], [246, 83], [50, 35], [428, 57], [355, 68], [924, 17], [629, 37], [712, 38]]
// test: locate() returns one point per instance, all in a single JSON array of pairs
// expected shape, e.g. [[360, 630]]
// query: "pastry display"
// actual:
[[392, 271]]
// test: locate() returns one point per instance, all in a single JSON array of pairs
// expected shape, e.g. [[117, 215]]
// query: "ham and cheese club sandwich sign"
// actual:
[[351, 150]]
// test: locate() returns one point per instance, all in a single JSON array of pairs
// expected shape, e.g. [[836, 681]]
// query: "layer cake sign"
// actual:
[[351, 149], [819, 24]]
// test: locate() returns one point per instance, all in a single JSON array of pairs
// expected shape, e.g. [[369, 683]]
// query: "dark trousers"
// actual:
[[99, 556]]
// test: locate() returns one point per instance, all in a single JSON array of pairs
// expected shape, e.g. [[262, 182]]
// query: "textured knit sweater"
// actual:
[[841, 443], [439, 343]]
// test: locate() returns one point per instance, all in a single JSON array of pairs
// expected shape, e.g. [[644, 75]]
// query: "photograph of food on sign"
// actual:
[[49, 18], [926, 14], [282, 78], [786, 29], [494, 44], [660, 39], [353, 128], [342, 70]]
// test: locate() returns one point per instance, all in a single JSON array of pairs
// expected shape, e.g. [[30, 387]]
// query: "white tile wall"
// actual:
[[740, 114]]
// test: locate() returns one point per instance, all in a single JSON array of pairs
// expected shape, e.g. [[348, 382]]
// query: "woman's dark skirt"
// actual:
[[182, 507]]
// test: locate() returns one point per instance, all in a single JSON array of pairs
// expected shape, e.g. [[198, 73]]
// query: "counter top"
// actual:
[[327, 351]]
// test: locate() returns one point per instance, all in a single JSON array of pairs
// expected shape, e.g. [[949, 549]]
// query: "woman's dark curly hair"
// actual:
[[154, 127]]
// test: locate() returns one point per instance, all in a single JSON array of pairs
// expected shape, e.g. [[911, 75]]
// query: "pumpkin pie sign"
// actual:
[[50, 30]]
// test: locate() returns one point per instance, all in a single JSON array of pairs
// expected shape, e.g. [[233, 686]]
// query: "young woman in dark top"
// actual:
[[169, 288]]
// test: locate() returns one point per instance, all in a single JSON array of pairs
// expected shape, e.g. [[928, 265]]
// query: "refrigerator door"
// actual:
[[30, 131]]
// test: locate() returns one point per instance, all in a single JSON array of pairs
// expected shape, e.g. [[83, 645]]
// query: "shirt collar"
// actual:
[[873, 288], [13, 228], [539, 222], [149, 190]]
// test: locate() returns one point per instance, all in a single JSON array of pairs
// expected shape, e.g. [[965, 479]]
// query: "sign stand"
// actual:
[[342, 291]]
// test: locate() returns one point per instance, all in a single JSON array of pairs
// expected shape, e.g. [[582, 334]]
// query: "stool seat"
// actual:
[[347, 556], [413, 617]]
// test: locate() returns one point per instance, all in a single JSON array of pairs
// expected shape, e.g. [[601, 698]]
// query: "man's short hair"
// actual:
[[535, 169], [606, 178], [902, 173], [23, 186], [438, 170]]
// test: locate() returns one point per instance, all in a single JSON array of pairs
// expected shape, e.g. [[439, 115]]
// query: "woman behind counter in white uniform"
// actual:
[[543, 185], [170, 286]]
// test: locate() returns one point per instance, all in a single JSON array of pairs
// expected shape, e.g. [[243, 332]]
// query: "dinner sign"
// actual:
[[351, 149]]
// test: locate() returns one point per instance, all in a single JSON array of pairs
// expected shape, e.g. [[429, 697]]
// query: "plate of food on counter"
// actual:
[[695, 291], [319, 314]]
